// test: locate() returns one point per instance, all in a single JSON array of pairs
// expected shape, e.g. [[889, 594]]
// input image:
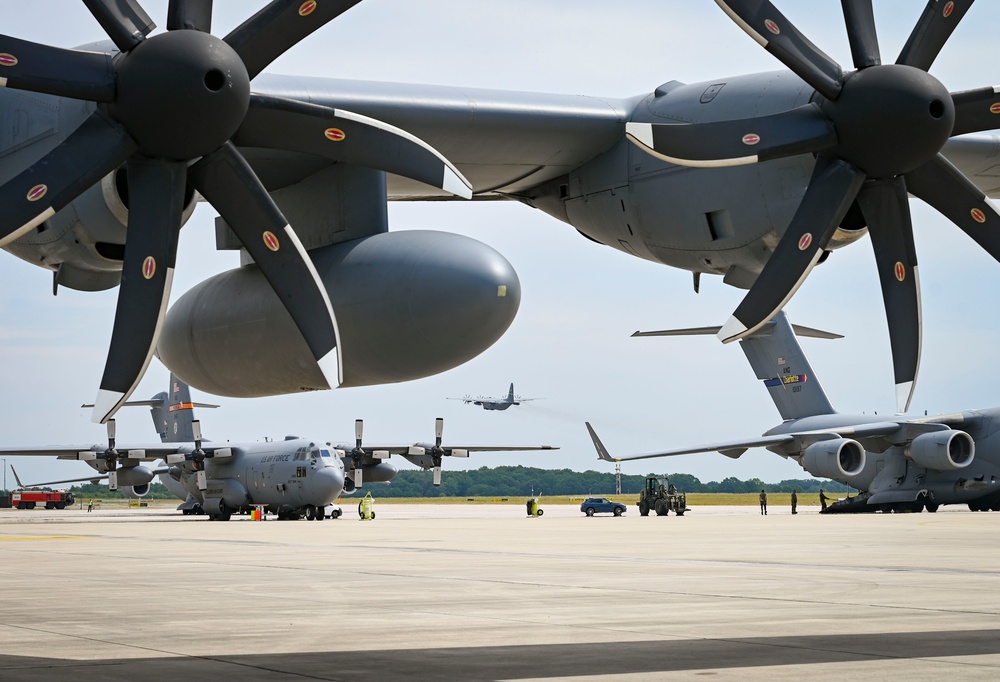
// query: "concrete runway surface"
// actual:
[[481, 592]]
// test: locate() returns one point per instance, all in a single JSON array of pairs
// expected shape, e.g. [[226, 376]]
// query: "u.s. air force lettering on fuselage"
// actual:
[[276, 458]]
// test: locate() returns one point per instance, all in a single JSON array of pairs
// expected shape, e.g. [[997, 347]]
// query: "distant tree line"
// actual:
[[519, 481]]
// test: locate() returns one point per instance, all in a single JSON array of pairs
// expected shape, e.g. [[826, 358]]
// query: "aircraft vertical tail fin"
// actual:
[[158, 412], [177, 414], [778, 360], [510, 394]]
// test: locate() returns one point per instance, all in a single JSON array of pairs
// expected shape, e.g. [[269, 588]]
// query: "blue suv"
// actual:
[[601, 505]]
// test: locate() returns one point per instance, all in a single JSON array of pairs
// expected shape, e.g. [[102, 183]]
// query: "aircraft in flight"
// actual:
[[292, 478], [755, 178], [897, 463], [496, 403]]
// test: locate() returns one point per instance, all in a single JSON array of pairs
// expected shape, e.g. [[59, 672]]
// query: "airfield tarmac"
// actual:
[[481, 592]]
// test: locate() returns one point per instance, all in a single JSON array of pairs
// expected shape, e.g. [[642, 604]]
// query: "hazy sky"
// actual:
[[570, 342]]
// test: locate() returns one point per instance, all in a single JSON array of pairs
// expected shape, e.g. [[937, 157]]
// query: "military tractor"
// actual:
[[662, 497]]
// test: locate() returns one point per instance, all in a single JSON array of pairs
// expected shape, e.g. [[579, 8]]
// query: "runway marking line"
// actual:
[[40, 537]]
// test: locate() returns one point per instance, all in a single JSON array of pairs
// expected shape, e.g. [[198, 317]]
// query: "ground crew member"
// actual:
[[795, 502], [90, 507], [763, 502], [822, 499]]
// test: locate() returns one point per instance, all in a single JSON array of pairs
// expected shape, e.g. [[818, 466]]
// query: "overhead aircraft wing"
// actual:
[[502, 142], [729, 449]]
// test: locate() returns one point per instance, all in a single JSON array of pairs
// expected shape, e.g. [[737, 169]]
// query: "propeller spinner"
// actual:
[[877, 133]]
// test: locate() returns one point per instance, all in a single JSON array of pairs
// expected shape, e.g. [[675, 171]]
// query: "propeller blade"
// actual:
[[437, 475], [202, 479], [932, 31], [55, 71], [734, 143], [860, 19], [359, 430], [832, 189], [111, 434], [886, 208], [193, 15], [954, 196], [281, 24], [125, 22], [113, 480], [764, 23], [277, 123], [976, 110], [156, 204], [438, 431], [226, 180], [196, 430], [91, 151], [358, 477]]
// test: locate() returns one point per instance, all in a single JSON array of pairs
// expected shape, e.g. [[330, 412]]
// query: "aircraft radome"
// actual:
[[896, 463], [755, 178], [292, 478]]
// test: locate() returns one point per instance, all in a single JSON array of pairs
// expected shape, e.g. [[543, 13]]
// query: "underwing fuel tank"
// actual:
[[408, 305]]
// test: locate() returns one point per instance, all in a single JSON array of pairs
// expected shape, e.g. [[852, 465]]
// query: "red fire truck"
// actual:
[[27, 499]]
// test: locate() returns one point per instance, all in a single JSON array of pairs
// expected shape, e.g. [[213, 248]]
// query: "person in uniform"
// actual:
[[763, 502], [795, 501], [822, 499]]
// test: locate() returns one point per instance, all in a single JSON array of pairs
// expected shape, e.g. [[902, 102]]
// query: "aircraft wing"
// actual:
[[729, 448], [502, 142], [420, 448], [89, 479], [500, 448], [149, 452]]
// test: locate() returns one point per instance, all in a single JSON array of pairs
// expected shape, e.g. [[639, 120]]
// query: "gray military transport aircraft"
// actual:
[[293, 478], [498, 404], [897, 464], [756, 178]]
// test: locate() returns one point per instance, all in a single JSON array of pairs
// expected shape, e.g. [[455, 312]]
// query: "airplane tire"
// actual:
[[932, 507], [310, 512]]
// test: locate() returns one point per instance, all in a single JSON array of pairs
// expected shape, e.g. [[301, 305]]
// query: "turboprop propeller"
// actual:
[[877, 133], [170, 107]]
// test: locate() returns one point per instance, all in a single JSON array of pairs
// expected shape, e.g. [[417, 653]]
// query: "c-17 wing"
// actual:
[[730, 449]]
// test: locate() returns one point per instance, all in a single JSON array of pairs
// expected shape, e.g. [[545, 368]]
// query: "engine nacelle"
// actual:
[[943, 450], [136, 476], [837, 458], [137, 491], [224, 494], [408, 305], [383, 472]]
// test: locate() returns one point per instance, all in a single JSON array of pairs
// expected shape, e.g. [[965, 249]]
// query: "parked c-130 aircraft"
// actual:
[[756, 178], [292, 478], [897, 463]]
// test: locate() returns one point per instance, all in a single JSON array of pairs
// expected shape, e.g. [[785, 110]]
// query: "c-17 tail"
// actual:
[[777, 359]]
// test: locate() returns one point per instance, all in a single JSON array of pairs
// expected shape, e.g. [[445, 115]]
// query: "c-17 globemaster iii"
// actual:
[[897, 464], [293, 478]]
